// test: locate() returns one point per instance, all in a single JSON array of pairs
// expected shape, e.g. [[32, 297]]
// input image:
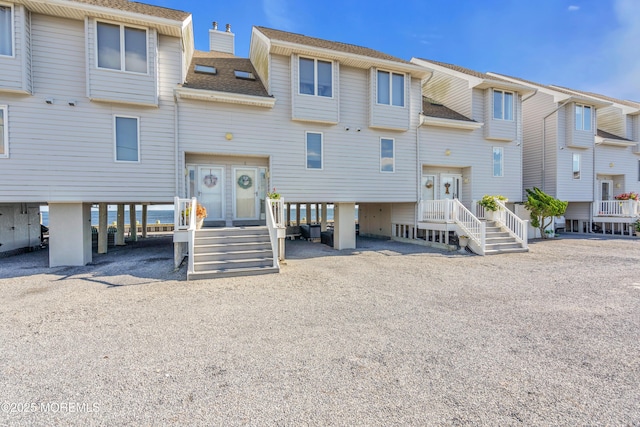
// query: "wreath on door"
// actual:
[[245, 182], [446, 186], [210, 180]]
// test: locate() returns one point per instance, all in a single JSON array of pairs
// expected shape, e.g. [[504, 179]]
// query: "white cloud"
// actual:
[[277, 13], [573, 8]]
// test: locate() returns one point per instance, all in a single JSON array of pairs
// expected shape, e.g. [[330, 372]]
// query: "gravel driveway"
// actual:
[[389, 334]]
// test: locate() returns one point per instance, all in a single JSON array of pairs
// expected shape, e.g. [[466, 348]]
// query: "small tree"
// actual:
[[543, 208]]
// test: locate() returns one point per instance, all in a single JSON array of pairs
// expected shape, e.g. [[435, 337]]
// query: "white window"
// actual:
[[122, 48], [583, 117], [498, 161], [127, 139], [502, 105], [387, 155], [576, 166], [316, 77], [314, 150], [4, 132], [390, 88], [6, 30]]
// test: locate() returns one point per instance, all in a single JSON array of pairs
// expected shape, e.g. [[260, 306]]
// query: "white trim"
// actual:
[[13, 30], [115, 135], [315, 76], [449, 123], [306, 154], [404, 88], [226, 97], [393, 141], [614, 142], [493, 169], [122, 46], [5, 131]]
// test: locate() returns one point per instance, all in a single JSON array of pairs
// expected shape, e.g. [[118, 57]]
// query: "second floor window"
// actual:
[[583, 117], [6, 30], [390, 88], [314, 150], [4, 146], [387, 155], [122, 48], [127, 139], [576, 166], [316, 77], [502, 105], [498, 162]]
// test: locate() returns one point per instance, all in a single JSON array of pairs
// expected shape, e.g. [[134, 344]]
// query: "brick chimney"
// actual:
[[221, 41]]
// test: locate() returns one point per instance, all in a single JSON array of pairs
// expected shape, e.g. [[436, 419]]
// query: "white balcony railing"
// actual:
[[616, 208], [277, 229]]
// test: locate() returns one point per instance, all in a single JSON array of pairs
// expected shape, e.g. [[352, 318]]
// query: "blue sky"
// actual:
[[584, 44]]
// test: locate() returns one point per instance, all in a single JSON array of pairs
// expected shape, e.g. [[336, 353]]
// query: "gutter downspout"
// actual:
[[593, 171], [521, 121], [175, 148], [544, 141], [418, 164]]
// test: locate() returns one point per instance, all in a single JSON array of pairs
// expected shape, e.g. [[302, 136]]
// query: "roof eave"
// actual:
[[449, 123], [281, 47], [500, 84], [614, 142], [225, 97]]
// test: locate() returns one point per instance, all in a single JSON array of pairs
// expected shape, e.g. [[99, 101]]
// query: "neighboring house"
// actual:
[[470, 137], [321, 121], [87, 114], [581, 148]]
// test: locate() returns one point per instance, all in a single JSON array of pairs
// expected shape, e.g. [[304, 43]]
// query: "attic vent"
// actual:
[[205, 69], [245, 75]]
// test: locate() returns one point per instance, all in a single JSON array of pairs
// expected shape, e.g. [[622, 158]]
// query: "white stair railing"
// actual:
[[276, 227], [184, 217], [469, 223], [517, 227]]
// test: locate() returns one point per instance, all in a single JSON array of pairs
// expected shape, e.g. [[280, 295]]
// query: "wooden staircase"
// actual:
[[500, 242], [229, 252]]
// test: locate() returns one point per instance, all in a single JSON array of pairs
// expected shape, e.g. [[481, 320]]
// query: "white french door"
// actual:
[[246, 193], [211, 191], [450, 186]]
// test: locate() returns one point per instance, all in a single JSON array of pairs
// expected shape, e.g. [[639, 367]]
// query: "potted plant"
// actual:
[[273, 195], [624, 204], [490, 205], [463, 241], [201, 214]]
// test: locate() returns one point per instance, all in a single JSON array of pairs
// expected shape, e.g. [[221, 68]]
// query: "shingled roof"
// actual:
[[433, 108], [604, 97], [141, 8], [467, 71], [224, 80], [603, 134], [327, 44]]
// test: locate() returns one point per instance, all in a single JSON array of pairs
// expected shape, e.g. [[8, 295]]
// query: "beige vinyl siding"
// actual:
[[578, 210], [351, 162], [496, 129], [314, 108], [611, 119], [403, 213], [388, 116], [533, 111], [259, 55], [16, 70], [69, 155], [121, 86], [452, 92], [621, 164], [574, 190]]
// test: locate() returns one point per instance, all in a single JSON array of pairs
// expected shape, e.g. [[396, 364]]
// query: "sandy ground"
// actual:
[[388, 334]]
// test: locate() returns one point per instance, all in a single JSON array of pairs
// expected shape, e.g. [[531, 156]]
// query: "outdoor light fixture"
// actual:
[[229, 136], [447, 152]]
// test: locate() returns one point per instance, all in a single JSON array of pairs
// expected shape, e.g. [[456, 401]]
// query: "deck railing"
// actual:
[[184, 217], [275, 223], [617, 208], [517, 227], [436, 210]]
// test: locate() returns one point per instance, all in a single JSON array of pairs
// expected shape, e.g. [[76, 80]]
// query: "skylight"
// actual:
[[246, 75], [205, 69]]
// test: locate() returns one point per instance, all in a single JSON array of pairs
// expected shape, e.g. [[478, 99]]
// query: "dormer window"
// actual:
[[390, 88], [6, 30], [205, 69], [502, 105], [244, 75], [583, 117], [316, 77], [122, 48]]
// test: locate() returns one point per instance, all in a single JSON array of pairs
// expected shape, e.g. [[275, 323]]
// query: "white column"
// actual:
[[120, 226], [69, 234], [344, 232], [103, 238], [133, 227], [144, 221]]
